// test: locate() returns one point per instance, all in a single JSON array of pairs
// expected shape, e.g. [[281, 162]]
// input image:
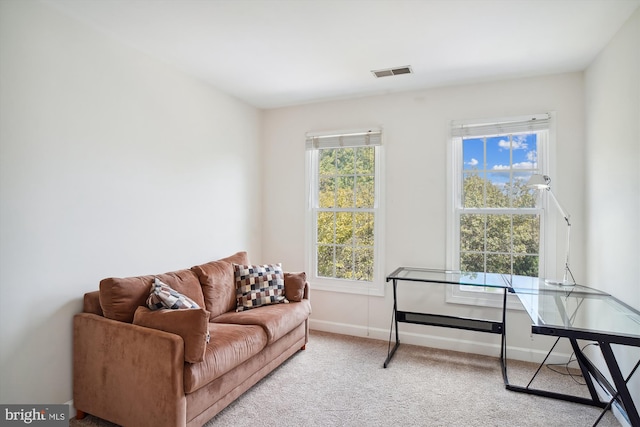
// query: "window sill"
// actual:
[[347, 286]]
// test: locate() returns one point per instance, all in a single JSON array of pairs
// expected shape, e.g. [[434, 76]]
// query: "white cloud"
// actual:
[[473, 162], [525, 165], [521, 165], [519, 142]]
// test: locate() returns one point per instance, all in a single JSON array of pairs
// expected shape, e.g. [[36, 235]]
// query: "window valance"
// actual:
[[513, 125], [370, 137]]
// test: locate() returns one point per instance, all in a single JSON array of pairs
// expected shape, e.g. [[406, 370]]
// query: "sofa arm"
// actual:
[[128, 374]]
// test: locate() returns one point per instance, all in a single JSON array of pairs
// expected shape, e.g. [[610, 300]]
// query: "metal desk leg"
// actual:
[[503, 344], [394, 321], [586, 367], [615, 396], [620, 383]]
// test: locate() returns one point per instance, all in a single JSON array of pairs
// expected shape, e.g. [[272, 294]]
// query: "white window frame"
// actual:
[[376, 286], [546, 155]]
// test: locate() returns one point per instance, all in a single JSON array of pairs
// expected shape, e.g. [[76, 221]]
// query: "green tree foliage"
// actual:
[[498, 242], [345, 220]]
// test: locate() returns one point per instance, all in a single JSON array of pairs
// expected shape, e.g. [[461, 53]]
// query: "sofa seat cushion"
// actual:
[[229, 346], [277, 320], [121, 297]]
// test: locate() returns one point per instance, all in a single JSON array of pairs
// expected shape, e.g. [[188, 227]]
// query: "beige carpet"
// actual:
[[339, 381]]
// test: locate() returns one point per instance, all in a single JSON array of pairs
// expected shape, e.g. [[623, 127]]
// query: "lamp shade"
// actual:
[[539, 182]]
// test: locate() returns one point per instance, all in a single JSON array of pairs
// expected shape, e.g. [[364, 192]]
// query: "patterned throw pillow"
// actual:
[[163, 296], [258, 285]]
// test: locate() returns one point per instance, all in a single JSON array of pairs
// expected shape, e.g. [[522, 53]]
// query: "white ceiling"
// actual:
[[273, 53]]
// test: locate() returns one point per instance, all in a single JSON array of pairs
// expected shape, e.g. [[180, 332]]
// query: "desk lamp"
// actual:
[[541, 182]]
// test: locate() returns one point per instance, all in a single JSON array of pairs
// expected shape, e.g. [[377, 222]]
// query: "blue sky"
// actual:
[[524, 153], [498, 160]]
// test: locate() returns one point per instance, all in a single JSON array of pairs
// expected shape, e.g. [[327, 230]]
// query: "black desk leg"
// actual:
[[620, 383], [394, 321], [586, 367], [503, 343], [615, 396]]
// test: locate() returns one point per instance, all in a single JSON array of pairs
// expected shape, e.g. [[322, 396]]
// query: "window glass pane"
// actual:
[[525, 151], [325, 227], [345, 194], [364, 228], [327, 161], [523, 197], [365, 192], [497, 190], [344, 228], [325, 261], [365, 160], [473, 190], [471, 261], [499, 263], [364, 264], [499, 152], [472, 232], [526, 265], [473, 153], [526, 234], [344, 262], [498, 233], [326, 192], [344, 161]]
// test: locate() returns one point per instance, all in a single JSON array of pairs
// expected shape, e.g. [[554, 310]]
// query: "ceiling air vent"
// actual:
[[392, 71]]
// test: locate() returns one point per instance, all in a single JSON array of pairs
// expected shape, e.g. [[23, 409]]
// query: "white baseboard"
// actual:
[[425, 340], [72, 409]]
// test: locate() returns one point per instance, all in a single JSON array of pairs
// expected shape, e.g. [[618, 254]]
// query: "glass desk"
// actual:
[[582, 313], [447, 277], [572, 312]]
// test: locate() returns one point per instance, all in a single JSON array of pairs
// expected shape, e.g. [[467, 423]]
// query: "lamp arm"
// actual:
[[567, 270], [565, 215]]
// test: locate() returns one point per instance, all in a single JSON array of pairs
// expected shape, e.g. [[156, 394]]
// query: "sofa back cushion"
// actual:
[[218, 283], [120, 297]]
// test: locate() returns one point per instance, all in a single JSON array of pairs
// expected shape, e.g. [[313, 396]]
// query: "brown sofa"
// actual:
[[135, 375]]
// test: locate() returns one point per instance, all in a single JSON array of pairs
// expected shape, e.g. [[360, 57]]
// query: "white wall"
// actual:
[[612, 95], [112, 164], [612, 105], [415, 136]]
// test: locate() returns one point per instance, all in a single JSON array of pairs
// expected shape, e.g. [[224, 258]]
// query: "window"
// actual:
[[344, 217], [496, 223]]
